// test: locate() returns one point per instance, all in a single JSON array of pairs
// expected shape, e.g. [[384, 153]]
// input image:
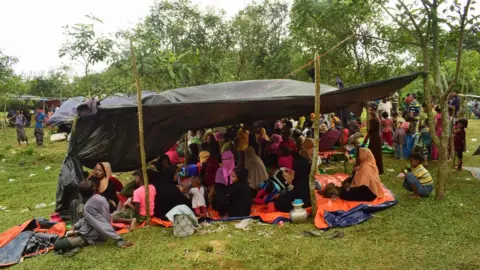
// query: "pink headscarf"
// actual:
[[272, 148], [218, 136], [228, 164]]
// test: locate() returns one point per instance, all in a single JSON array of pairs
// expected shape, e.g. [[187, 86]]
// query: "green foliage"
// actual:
[[84, 45], [178, 44]]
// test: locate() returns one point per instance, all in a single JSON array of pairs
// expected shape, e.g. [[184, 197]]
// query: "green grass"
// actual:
[[414, 234]]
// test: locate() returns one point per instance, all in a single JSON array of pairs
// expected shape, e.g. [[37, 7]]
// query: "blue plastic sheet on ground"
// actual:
[[356, 215]]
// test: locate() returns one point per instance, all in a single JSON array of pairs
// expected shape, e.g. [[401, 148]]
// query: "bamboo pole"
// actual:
[[450, 139], [140, 131], [185, 163], [316, 136], [5, 122]]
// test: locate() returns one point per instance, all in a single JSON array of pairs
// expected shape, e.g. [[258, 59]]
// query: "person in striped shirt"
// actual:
[[418, 180]]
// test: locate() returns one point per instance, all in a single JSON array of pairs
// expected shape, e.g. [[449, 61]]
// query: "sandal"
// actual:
[[335, 234]]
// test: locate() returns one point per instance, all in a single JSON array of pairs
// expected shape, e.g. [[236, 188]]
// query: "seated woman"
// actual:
[[239, 198], [270, 152], [257, 172], [364, 185], [330, 137], [168, 194], [209, 168], [105, 184], [301, 187], [222, 180], [162, 162], [212, 146], [193, 155]]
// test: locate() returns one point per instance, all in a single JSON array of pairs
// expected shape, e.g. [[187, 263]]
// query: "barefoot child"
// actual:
[[197, 192], [136, 211], [460, 142], [20, 121], [418, 180]]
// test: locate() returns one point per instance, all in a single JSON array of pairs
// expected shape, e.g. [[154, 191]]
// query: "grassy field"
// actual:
[[414, 234]]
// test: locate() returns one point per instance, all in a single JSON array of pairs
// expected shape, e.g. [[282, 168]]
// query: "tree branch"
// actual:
[[396, 20], [391, 40], [429, 22], [460, 49], [412, 19]]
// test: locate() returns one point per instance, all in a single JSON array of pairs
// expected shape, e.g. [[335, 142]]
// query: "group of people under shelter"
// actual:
[[227, 170]]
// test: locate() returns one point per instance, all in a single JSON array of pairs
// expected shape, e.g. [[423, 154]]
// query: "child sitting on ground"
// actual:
[[417, 179], [136, 210], [266, 193], [459, 141], [197, 193]]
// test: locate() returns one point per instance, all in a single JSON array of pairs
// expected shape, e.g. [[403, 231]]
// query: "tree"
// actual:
[[423, 25], [10, 83], [84, 45], [320, 25], [263, 48]]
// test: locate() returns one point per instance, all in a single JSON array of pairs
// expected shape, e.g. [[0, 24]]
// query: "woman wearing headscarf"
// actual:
[[373, 136], [193, 154], [168, 194], [212, 146], [365, 185], [222, 180], [301, 187], [272, 148], [270, 152], [239, 198], [262, 136], [105, 184], [162, 162], [257, 172]]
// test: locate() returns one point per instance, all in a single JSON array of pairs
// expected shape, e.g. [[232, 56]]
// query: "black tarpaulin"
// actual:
[[112, 133], [68, 110]]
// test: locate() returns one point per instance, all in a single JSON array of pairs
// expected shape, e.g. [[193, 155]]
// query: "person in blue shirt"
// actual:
[[39, 119]]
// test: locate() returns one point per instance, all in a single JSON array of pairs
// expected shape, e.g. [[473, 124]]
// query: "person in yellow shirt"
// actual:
[[418, 180], [241, 143]]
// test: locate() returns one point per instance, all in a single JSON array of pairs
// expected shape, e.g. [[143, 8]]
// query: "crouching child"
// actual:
[[418, 180]]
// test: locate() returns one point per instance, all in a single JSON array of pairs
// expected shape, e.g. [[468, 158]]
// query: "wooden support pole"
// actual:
[[316, 136], [140, 131], [5, 122], [450, 139]]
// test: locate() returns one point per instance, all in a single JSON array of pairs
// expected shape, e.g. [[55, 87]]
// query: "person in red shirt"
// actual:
[[387, 129]]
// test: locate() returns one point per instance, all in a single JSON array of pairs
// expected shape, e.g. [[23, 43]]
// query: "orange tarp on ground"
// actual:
[[328, 205], [328, 154], [13, 232], [258, 211]]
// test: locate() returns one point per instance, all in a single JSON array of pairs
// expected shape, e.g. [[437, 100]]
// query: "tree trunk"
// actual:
[[437, 78], [316, 136]]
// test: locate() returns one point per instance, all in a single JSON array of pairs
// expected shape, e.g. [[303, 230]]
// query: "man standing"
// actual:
[[455, 102], [385, 106], [414, 109], [39, 119]]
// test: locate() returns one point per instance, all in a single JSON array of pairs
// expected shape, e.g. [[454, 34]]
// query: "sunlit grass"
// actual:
[[414, 234]]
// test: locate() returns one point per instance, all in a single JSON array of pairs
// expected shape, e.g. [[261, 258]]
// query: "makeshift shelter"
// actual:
[[67, 112], [111, 134]]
